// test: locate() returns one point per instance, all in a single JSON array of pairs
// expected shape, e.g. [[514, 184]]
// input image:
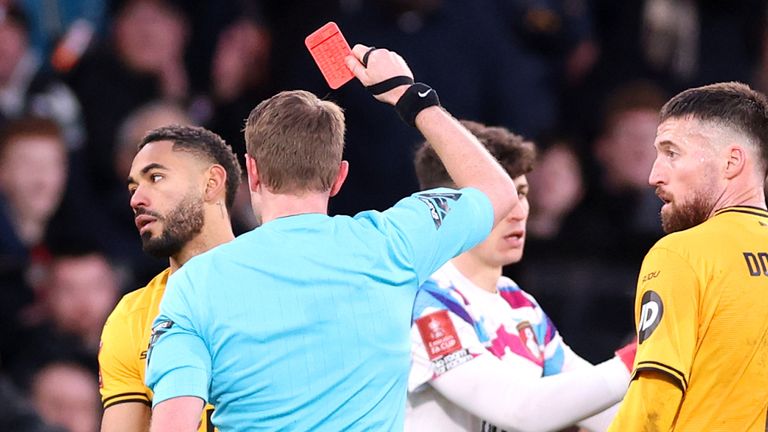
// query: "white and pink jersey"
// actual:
[[455, 322]]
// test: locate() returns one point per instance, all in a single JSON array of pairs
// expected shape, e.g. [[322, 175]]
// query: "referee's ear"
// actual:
[[253, 173], [216, 183], [340, 177]]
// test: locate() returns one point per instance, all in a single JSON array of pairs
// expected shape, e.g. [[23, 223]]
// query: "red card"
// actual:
[[329, 48]]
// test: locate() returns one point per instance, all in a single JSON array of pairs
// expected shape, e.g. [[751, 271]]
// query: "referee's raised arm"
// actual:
[[385, 74]]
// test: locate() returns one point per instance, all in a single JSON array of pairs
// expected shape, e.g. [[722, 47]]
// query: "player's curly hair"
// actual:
[[512, 151], [202, 143]]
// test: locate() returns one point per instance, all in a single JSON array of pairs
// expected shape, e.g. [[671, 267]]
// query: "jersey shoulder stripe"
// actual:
[[678, 376]]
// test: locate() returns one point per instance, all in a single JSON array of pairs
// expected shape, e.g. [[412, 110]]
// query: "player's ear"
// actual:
[[216, 183], [340, 177], [253, 173], [735, 159]]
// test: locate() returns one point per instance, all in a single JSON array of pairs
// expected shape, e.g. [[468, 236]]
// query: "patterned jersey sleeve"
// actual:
[[666, 315], [434, 226], [178, 361], [441, 340], [120, 371]]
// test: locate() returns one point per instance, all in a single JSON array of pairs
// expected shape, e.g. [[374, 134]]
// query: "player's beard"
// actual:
[[180, 225], [688, 214]]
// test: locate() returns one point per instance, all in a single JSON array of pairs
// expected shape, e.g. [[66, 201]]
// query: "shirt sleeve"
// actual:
[[651, 403], [436, 225], [120, 371], [178, 362], [440, 341], [666, 312]]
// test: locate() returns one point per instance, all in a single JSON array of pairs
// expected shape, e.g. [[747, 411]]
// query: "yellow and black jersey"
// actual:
[[702, 319], [123, 349]]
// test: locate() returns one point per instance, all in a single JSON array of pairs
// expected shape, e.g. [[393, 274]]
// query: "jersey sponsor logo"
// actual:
[[157, 331], [438, 204], [651, 311], [450, 361], [651, 275], [757, 263], [528, 337]]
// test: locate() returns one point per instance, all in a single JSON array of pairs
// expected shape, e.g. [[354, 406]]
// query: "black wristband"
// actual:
[[418, 97]]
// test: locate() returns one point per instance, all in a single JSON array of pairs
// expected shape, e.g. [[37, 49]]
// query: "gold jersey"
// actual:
[[123, 349], [702, 314]]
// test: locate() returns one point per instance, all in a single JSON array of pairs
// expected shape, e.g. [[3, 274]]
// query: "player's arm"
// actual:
[[124, 396], [126, 417], [500, 392], [178, 361], [178, 414], [666, 310], [651, 403], [601, 420], [509, 399], [466, 160]]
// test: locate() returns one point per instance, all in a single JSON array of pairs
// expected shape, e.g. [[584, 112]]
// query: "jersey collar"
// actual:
[[757, 211]]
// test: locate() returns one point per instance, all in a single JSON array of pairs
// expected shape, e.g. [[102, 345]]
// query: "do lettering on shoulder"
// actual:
[[757, 263]]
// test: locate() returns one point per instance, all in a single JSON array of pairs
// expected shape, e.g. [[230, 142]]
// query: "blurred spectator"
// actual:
[[142, 62], [17, 414], [80, 290], [25, 89], [557, 187], [239, 79], [603, 240], [620, 215], [33, 172], [66, 394]]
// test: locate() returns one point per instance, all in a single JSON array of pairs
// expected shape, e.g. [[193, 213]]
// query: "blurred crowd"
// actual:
[[81, 81]]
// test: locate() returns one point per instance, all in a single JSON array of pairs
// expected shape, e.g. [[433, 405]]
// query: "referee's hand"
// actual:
[[381, 64]]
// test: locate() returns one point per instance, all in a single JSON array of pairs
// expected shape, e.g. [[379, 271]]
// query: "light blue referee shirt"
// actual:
[[304, 323]]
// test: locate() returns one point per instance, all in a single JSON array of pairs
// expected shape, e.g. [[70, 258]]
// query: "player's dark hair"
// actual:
[[730, 104], [513, 152], [202, 143]]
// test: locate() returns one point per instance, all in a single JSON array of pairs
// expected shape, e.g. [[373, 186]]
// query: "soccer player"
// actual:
[[303, 323], [182, 185], [701, 305], [485, 355]]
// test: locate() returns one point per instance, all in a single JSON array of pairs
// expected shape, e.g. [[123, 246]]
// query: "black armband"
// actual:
[[418, 97]]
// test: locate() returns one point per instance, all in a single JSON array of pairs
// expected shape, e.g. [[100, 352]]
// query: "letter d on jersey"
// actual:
[[650, 315]]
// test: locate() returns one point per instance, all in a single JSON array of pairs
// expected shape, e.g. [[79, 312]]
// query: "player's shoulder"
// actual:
[[143, 298], [438, 293], [513, 294], [697, 240]]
